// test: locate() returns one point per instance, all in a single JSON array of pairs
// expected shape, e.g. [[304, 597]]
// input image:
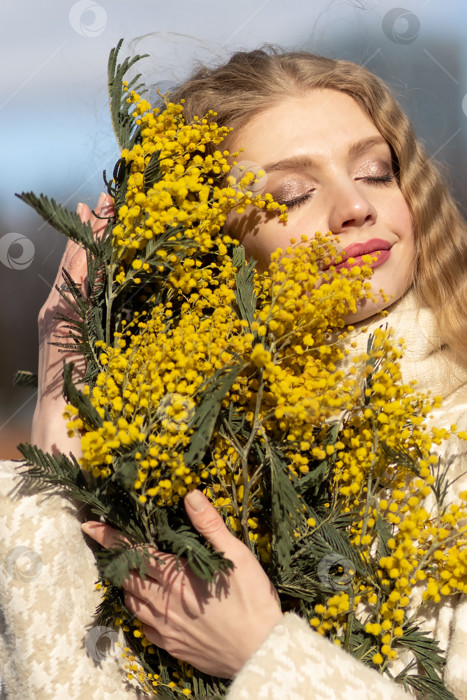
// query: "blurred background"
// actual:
[[55, 130]]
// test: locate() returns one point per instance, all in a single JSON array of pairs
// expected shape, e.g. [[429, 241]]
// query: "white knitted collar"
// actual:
[[433, 365]]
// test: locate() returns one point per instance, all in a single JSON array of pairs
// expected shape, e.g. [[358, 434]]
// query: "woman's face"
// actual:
[[325, 159]]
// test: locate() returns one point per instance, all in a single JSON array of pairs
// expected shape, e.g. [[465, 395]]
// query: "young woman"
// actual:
[[339, 152]]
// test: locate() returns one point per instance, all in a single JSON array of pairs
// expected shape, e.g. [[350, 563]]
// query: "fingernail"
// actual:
[[79, 208], [101, 200], [196, 500]]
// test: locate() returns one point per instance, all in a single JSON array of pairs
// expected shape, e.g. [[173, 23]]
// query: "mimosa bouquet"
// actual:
[[203, 373]]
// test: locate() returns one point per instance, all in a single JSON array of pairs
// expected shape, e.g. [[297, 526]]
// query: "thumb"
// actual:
[[208, 521]]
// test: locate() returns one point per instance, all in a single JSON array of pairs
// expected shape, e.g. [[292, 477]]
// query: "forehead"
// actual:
[[322, 122]]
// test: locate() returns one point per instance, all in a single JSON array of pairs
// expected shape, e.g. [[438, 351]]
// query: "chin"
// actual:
[[367, 308]]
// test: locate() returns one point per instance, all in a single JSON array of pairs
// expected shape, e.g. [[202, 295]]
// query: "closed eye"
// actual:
[[294, 203], [297, 201], [379, 180]]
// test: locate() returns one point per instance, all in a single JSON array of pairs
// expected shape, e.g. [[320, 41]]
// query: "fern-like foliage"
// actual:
[[123, 123], [63, 220]]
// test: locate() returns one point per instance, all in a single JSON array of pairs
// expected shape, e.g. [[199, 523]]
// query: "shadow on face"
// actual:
[[245, 228]]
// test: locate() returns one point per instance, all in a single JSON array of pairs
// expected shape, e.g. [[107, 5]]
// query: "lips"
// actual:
[[375, 246]]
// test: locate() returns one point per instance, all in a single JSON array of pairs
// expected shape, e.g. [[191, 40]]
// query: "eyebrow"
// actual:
[[301, 162]]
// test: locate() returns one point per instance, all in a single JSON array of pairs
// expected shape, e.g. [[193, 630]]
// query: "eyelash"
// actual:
[[381, 180], [292, 203]]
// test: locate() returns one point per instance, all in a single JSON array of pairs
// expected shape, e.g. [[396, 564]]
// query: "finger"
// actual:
[[83, 212], [208, 522], [170, 641], [97, 217], [74, 262], [86, 215], [104, 205], [100, 216], [148, 615], [102, 202], [141, 588], [74, 256], [153, 635], [142, 609], [105, 535], [159, 567], [74, 259]]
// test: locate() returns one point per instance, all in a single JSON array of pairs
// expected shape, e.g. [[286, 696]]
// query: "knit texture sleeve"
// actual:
[[296, 663], [49, 644]]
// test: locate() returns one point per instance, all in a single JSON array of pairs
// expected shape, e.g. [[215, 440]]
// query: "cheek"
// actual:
[[402, 220], [260, 244], [408, 241], [260, 234]]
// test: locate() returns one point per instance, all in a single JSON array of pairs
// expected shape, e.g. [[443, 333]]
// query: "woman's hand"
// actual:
[[215, 626], [48, 426]]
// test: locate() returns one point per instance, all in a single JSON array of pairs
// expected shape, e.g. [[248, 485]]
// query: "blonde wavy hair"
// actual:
[[251, 82]]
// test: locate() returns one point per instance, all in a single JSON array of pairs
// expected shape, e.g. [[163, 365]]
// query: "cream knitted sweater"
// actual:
[[49, 649]]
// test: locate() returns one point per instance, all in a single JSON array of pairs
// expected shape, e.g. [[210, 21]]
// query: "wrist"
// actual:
[[274, 619], [49, 430]]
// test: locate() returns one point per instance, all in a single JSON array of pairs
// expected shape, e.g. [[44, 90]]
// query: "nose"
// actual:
[[350, 208]]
